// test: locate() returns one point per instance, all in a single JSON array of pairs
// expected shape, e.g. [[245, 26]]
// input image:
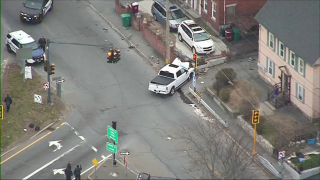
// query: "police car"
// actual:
[[35, 10], [20, 39]]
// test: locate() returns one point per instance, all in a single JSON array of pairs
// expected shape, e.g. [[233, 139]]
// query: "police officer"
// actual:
[[77, 172], [42, 42]]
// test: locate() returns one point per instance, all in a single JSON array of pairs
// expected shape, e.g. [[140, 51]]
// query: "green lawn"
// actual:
[[313, 162]]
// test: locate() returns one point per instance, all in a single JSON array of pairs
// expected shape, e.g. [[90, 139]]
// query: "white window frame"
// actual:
[[300, 93], [205, 7], [270, 66], [214, 10], [299, 66], [292, 59], [281, 50], [271, 40], [231, 6]]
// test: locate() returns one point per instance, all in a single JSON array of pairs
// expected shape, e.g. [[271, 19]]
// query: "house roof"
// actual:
[[296, 24]]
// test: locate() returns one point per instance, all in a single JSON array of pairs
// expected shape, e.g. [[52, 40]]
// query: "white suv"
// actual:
[[195, 37], [19, 40]]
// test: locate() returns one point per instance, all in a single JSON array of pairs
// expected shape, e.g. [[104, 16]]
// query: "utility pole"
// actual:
[[48, 71], [168, 31]]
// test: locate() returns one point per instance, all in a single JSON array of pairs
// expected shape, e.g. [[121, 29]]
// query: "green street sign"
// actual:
[[113, 134], [111, 147]]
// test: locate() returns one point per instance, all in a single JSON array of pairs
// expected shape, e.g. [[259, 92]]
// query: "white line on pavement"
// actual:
[[93, 148], [54, 160], [8, 151], [103, 158]]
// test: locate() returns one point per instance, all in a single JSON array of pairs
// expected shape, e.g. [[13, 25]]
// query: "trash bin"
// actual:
[[135, 7], [126, 19], [236, 34], [229, 34], [222, 29]]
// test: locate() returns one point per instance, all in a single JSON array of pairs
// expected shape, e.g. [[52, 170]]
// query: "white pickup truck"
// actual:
[[171, 77]]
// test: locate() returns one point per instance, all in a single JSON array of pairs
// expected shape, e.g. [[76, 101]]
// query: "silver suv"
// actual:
[[158, 11]]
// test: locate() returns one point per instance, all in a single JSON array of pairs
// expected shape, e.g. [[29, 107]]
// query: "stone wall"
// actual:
[[141, 23], [260, 139]]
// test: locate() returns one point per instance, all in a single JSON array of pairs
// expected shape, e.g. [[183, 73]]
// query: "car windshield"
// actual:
[[177, 14], [32, 45], [34, 4], [201, 36]]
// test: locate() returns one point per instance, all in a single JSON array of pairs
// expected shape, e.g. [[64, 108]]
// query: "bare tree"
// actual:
[[213, 154]]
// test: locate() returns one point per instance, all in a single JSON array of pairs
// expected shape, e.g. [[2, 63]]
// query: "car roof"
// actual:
[[164, 4], [22, 37], [172, 68], [194, 26]]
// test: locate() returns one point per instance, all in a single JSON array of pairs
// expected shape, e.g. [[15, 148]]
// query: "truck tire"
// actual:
[[172, 91]]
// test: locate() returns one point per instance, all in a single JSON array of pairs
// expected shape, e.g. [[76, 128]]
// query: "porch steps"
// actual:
[[270, 105]]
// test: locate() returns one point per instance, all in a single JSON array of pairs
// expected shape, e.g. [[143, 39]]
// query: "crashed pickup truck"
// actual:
[[171, 77]]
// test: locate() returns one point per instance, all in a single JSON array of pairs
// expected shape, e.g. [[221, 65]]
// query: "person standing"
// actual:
[[8, 102], [77, 172], [42, 42], [68, 171]]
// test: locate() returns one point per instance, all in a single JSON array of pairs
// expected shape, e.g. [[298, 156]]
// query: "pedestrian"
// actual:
[[68, 171], [275, 93], [8, 102], [42, 42], [77, 172]]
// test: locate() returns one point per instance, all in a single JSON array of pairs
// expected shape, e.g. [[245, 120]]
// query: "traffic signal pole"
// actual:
[[48, 72], [167, 32], [255, 121], [114, 126], [254, 152]]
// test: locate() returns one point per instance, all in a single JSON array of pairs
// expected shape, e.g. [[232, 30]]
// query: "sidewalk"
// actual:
[[104, 171]]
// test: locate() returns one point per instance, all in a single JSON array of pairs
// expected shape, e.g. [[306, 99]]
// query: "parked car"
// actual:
[[20, 39], [35, 10], [195, 37], [171, 77], [158, 11]]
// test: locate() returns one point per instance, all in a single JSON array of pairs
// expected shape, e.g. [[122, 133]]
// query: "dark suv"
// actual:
[[176, 15]]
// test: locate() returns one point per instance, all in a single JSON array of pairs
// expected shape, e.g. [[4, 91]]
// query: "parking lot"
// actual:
[[145, 7]]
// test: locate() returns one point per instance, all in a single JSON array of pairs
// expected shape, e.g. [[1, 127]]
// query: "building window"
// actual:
[[270, 67], [292, 58], [271, 40], [281, 49], [205, 6], [231, 9], [300, 93], [301, 66], [214, 10]]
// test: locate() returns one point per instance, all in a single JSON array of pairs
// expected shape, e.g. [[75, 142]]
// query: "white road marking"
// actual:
[[76, 133], [8, 151], [56, 143], [82, 138], [105, 157], [58, 171], [54, 160], [95, 149]]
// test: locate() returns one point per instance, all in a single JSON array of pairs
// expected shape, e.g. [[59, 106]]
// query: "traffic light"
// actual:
[[255, 116], [195, 58], [45, 67], [117, 55], [52, 68], [110, 56]]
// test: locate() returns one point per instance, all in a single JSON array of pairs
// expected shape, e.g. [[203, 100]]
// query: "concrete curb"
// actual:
[[89, 176], [128, 41], [254, 158]]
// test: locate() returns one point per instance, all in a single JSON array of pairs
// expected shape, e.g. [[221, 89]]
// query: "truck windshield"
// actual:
[[166, 74]]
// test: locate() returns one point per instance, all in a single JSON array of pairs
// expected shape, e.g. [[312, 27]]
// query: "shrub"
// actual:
[[225, 75], [260, 127], [246, 110], [225, 95]]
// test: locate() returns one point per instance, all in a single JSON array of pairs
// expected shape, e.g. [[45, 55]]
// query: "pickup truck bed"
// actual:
[[162, 80]]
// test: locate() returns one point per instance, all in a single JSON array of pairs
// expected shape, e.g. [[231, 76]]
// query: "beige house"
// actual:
[[289, 53]]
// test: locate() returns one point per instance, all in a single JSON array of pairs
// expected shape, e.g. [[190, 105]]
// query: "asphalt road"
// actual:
[[98, 94]]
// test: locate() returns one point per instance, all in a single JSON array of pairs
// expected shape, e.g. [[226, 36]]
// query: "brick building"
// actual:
[[220, 12]]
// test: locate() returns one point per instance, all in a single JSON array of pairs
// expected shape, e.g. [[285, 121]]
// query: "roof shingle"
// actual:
[[296, 23]]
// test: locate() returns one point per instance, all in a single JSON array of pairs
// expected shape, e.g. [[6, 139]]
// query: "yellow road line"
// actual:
[[48, 29], [30, 144], [25, 148]]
